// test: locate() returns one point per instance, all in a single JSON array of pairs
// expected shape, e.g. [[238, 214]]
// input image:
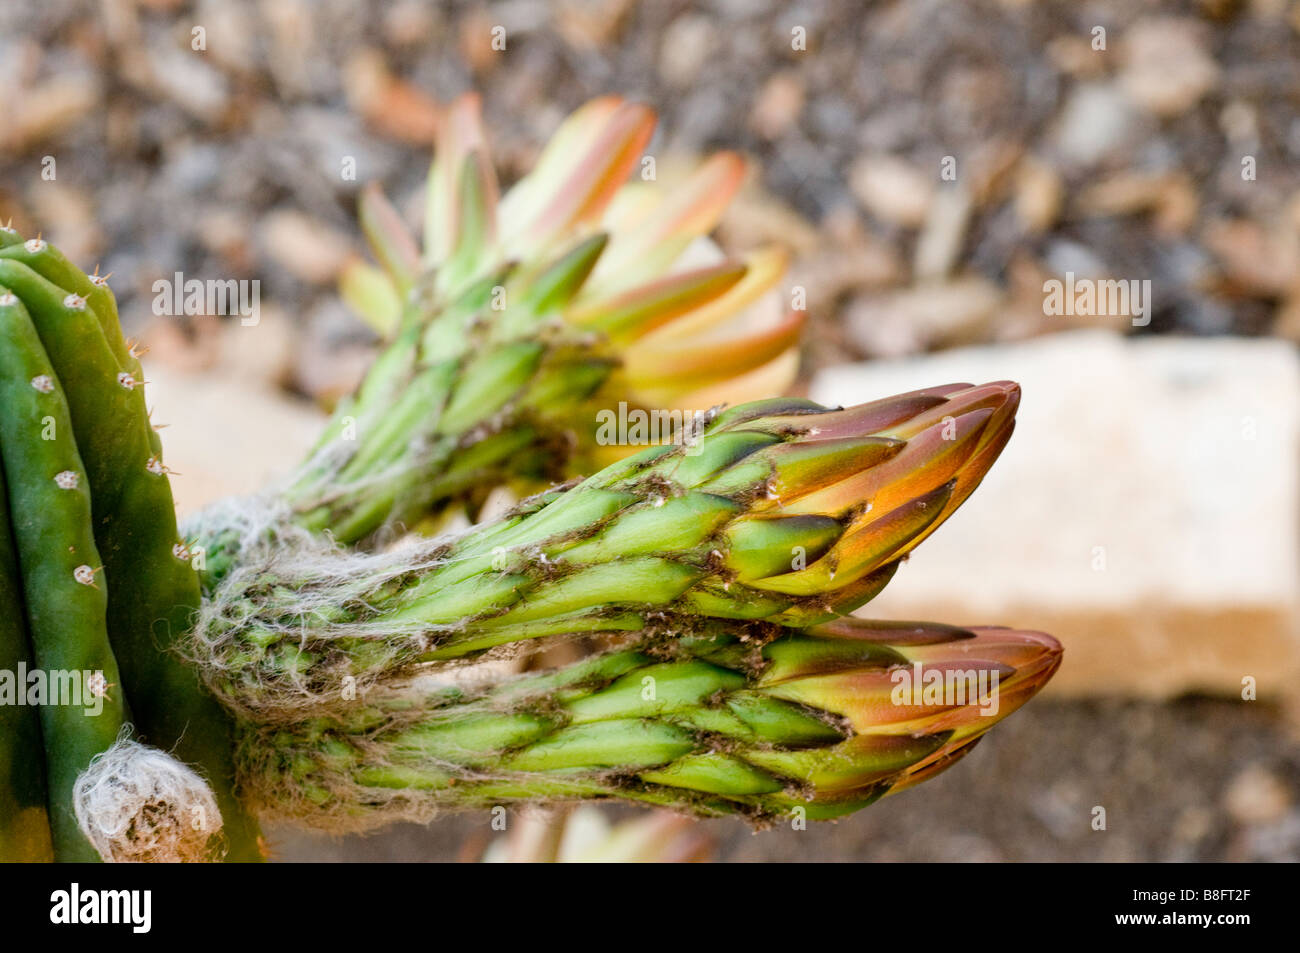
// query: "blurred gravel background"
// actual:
[[1173, 153]]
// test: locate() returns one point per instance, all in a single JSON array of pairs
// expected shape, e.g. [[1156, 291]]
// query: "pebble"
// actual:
[[591, 24], [1255, 259], [778, 105], [307, 248], [188, 79], [1066, 256], [1170, 197], [685, 47], [48, 110], [1167, 69], [928, 315], [893, 189], [1257, 796], [1096, 121], [390, 105], [1039, 192], [408, 23], [939, 245]]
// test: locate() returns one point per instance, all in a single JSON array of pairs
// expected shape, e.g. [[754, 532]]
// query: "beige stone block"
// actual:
[[1145, 511], [226, 435]]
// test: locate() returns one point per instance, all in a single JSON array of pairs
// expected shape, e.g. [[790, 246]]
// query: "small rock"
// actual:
[[591, 24], [1239, 121], [186, 78], [990, 168], [47, 110], [184, 348], [226, 233], [409, 23], [293, 51], [1071, 257], [193, 167], [1193, 825], [390, 105], [1178, 205], [1039, 192], [1258, 261], [686, 46], [1170, 196], [701, 112], [941, 239], [892, 189], [926, 316], [1257, 796], [1096, 121], [778, 105], [309, 249], [1166, 67], [230, 33], [475, 36], [1073, 54]]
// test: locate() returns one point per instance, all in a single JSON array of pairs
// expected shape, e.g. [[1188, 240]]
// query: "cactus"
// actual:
[[783, 511], [103, 579], [712, 572], [24, 814], [49, 504], [811, 723], [526, 315]]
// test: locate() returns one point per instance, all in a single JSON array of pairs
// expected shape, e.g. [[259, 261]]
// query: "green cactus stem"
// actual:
[[783, 512], [809, 724], [24, 818], [66, 606], [153, 592]]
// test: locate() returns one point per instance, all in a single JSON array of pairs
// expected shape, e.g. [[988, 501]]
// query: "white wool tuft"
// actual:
[[139, 804]]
